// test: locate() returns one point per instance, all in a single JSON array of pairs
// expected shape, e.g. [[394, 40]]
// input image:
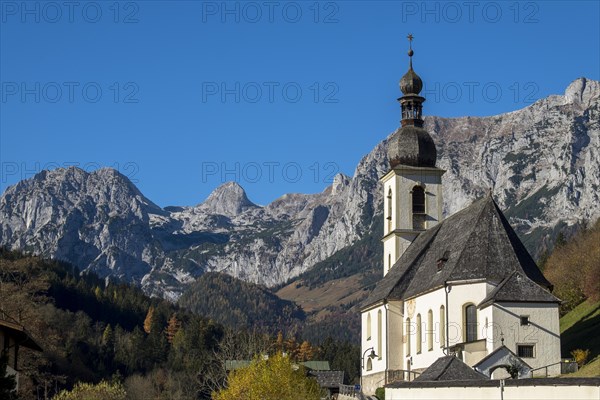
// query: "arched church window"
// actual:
[[442, 326], [369, 364], [389, 261], [419, 334], [429, 330], [470, 323], [418, 208], [369, 326], [379, 334], [408, 334], [389, 209]]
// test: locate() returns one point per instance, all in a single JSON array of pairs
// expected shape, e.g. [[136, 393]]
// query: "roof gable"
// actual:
[[502, 357], [18, 332], [519, 288], [476, 243], [449, 368]]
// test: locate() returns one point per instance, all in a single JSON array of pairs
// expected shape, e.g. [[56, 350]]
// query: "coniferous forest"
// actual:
[[93, 330]]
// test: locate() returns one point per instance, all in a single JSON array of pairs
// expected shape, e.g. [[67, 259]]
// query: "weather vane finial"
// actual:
[[410, 38]]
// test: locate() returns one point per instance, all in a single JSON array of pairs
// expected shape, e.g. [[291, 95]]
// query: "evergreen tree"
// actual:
[[108, 338]]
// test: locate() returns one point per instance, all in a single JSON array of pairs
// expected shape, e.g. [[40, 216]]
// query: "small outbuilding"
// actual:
[[12, 337]]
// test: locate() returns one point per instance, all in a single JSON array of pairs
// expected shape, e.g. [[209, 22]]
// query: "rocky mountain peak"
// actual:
[[582, 91], [229, 199], [542, 161], [340, 182]]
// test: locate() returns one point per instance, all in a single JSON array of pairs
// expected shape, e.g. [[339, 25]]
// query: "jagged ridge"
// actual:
[[542, 163]]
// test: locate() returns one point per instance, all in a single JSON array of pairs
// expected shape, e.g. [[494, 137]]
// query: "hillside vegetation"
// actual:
[[579, 329], [574, 268], [94, 331], [236, 303], [91, 330]]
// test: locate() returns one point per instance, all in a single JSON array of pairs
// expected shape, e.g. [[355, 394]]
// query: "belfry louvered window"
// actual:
[[418, 208]]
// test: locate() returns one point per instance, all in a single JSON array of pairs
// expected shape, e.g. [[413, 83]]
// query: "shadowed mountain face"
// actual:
[[543, 163]]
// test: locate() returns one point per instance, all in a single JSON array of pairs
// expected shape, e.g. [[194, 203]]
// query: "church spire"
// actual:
[[411, 145], [411, 85], [410, 38]]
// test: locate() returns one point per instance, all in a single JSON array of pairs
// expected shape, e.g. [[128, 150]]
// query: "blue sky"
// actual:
[[183, 95]]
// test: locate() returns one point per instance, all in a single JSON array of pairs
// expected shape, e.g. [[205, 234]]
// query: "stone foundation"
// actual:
[[371, 382]]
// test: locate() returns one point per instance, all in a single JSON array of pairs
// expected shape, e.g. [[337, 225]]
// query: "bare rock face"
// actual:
[[542, 163], [96, 220], [228, 199]]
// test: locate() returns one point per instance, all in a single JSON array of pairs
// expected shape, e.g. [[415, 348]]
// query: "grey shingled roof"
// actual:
[[479, 244], [519, 288], [328, 379], [449, 368]]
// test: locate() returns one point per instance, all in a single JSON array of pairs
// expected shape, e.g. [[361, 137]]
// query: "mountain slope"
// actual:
[[240, 304], [542, 163]]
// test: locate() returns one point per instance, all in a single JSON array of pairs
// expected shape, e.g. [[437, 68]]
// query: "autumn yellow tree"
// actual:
[[149, 319], [173, 327], [87, 391], [279, 341], [273, 378], [305, 352]]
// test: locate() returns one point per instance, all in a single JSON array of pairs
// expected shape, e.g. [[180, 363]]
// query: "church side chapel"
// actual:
[[464, 287]]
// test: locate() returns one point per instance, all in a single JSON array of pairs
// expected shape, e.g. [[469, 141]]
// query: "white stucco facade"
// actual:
[[542, 332], [399, 229], [397, 343], [514, 391]]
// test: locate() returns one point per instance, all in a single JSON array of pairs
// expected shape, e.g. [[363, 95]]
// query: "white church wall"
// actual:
[[377, 339], [373, 369], [459, 296], [512, 392], [395, 335], [542, 332]]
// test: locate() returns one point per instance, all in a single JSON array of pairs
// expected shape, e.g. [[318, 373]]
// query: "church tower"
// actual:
[[413, 185]]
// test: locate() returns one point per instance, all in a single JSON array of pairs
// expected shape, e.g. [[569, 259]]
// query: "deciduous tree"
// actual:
[[148, 320], [276, 377], [100, 391]]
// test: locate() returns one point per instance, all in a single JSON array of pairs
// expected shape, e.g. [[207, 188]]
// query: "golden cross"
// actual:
[[410, 37]]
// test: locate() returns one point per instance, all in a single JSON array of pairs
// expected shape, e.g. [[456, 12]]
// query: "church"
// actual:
[[464, 286]]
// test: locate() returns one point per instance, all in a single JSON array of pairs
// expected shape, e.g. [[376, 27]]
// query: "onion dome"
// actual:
[[411, 144], [411, 83]]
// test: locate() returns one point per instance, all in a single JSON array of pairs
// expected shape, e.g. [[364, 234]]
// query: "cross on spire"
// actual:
[[410, 38]]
